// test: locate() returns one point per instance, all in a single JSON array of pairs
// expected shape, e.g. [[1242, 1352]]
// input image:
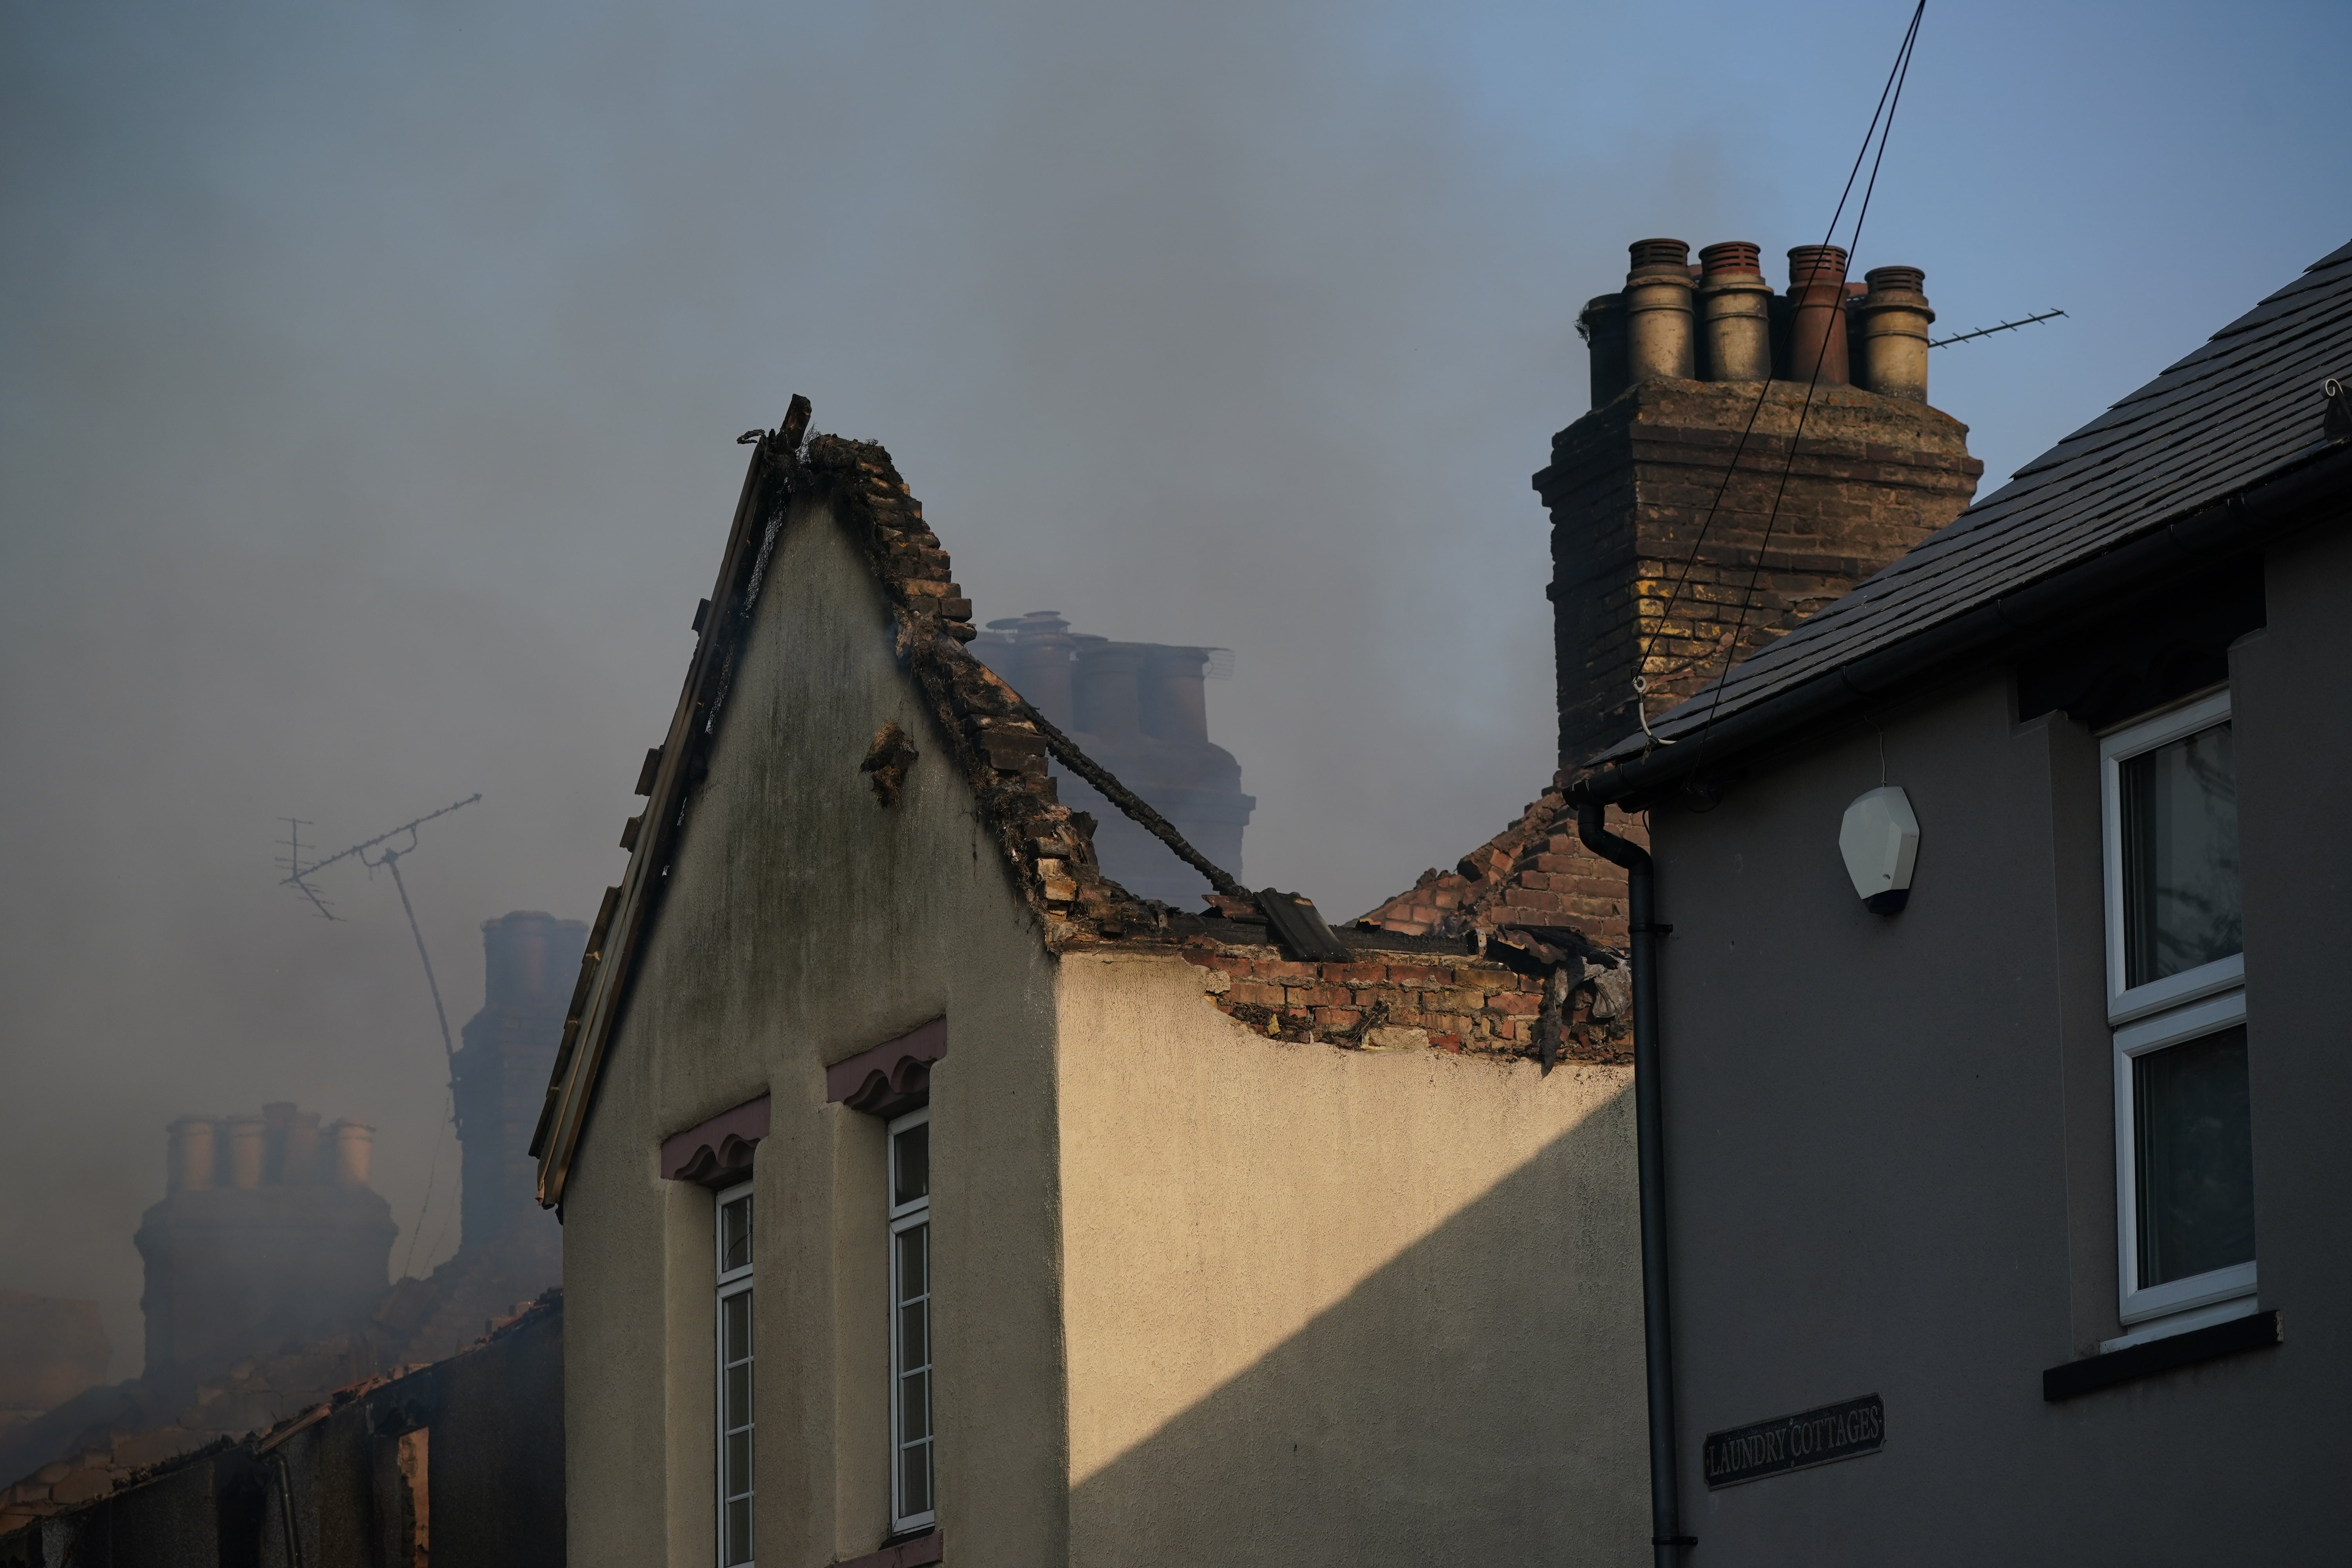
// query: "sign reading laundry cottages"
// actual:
[[1844, 1431]]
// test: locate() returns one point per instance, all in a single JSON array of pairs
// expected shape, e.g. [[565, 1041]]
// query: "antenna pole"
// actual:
[[390, 862]]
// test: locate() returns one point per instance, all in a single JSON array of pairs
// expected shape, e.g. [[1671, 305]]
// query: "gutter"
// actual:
[[1649, 1120], [2245, 519]]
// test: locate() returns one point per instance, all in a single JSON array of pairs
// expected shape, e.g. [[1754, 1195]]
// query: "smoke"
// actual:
[[369, 375]]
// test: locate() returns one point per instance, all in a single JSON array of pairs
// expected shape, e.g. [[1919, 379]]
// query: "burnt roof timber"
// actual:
[[621, 921]]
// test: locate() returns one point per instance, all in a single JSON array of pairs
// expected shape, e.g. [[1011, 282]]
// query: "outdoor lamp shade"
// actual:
[[1880, 841]]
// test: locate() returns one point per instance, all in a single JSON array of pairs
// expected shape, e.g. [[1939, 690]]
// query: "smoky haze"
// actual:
[[371, 370]]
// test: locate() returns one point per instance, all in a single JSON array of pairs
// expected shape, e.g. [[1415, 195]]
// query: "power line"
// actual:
[[1901, 74], [1888, 95]]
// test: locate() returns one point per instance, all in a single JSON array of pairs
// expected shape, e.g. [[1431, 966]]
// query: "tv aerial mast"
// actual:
[[379, 851]]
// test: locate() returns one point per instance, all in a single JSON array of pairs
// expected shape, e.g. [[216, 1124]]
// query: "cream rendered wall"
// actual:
[[1332, 1307], [806, 923]]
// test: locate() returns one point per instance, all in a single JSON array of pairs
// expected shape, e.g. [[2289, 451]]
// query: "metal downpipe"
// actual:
[[1649, 1119]]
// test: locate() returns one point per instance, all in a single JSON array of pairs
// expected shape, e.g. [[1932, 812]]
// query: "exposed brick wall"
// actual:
[[1404, 1002], [1536, 872], [1630, 489]]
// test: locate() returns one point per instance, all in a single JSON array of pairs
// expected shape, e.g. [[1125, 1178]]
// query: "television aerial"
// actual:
[[384, 850]]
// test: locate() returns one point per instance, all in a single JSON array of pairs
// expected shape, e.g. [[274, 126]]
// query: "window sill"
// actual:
[[2091, 1373], [2181, 1321], [919, 1551]]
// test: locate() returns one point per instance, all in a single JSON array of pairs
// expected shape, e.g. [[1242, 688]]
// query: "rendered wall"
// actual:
[[1891, 1146], [807, 923], [1336, 1306]]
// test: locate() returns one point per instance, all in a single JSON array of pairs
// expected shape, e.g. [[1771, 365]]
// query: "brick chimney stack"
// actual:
[[260, 1236], [1687, 362], [1631, 484], [531, 961]]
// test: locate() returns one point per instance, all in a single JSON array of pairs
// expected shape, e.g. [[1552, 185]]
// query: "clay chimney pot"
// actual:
[[194, 1150], [1893, 319], [1601, 323], [1735, 303], [1658, 337], [248, 1142], [354, 1151], [1817, 350]]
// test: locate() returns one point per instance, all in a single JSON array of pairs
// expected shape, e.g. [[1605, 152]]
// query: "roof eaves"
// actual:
[[2279, 503]]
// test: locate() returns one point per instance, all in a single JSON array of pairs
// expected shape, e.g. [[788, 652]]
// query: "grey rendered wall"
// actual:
[[1891, 1157], [806, 923]]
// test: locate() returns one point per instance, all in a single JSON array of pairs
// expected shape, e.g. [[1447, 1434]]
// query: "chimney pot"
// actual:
[[1737, 304], [303, 1150], [1109, 686], [1817, 350], [1175, 703], [1041, 664], [1893, 320], [354, 1151], [194, 1150], [1658, 337], [247, 1141], [1602, 324]]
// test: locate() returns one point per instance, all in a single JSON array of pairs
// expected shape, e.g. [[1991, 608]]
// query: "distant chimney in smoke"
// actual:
[[254, 1241], [531, 964]]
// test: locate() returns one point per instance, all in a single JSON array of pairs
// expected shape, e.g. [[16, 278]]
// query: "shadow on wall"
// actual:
[[1478, 1398]]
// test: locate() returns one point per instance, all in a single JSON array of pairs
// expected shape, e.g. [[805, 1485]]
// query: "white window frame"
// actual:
[[2138, 1304], [905, 1217], [2149, 1017], [2127, 1002], [730, 1284]]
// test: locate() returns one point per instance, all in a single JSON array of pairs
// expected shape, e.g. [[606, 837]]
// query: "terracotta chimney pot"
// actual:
[[1658, 337], [1737, 304], [1602, 325], [1893, 319], [302, 1149], [1817, 332], [248, 1142], [354, 1151], [194, 1149]]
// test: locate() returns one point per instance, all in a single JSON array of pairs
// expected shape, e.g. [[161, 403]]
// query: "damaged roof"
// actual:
[[998, 741], [996, 744], [2189, 447]]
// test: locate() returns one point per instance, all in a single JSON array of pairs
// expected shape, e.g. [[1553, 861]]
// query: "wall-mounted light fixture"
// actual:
[[1880, 841]]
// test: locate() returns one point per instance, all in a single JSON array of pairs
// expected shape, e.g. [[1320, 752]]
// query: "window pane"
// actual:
[[2180, 856], [914, 1334], [735, 1234], [915, 1479], [739, 1463], [739, 1531], [2196, 1158], [912, 1162], [738, 1395], [914, 1406], [735, 1316], [914, 1274]]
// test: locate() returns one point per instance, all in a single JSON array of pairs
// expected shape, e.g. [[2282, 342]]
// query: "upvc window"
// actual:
[[2176, 997], [734, 1345], [912, 1466]]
